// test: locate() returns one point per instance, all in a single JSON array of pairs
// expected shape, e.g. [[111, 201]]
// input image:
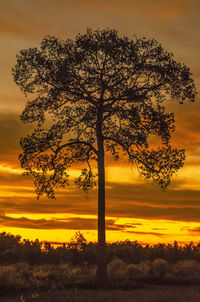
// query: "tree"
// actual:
[[101, 92]]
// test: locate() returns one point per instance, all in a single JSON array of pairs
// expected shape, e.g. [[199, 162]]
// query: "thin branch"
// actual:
[[77, 143], [131, 156]]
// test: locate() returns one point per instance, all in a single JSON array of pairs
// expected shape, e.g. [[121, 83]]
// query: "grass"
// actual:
[[156, 281], [146, 294]]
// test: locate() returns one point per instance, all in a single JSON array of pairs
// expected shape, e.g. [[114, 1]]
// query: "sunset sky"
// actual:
[[136, 209]]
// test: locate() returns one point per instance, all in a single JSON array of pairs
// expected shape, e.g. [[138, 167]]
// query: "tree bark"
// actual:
[[101, 275]]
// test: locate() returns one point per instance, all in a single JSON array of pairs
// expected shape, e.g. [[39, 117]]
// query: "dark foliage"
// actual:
[[99, 89], [78, 251]]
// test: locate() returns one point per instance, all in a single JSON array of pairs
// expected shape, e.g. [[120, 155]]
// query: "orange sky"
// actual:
[[136, 210]]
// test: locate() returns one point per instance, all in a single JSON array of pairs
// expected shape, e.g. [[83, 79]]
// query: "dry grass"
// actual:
[[20, 278], [147, 294]]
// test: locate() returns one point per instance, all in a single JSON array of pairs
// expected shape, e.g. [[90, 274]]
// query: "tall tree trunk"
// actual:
[[101, 276]]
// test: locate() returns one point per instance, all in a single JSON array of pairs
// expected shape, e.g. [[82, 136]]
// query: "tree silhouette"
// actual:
[[101, 92]]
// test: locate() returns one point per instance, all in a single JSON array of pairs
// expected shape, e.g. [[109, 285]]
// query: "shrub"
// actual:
[[145, 268], [117, 269], [160, 267], [187, 269], [133, 271]]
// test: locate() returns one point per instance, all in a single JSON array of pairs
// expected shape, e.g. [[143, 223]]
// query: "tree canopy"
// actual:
[[71, 80]]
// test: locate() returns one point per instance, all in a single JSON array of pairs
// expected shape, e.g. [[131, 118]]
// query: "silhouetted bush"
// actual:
[[78, 251]]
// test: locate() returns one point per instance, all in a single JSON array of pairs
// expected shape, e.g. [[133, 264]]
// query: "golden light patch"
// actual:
[[10, 170], [17, 192], [49, 216], [189, 177], [15, 188], [122, 174], [7, 169], [42, 235]]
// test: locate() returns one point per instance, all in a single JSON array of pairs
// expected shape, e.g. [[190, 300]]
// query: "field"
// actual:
[[146, 294], [32, 271]]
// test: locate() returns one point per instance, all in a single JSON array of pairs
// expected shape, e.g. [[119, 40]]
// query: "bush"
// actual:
[[187, 269], [145, 268], [133, 271], [160, 267], [117, 269]]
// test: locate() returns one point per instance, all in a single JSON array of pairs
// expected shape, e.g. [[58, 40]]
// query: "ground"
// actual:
[[146, 294]]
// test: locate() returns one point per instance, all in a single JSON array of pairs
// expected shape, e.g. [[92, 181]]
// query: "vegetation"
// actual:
[[102, 93], [33, 266], [145, 294], [79, 252]]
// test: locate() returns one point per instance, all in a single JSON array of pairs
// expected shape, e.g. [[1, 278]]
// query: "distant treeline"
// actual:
[[78, 251]]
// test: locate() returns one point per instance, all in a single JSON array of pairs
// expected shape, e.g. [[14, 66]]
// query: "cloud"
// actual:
[[12, 129], [33, 18], [147, 233], [187, 133], [147, 195], [123, 200], [194, 231], [171, 213], [154, 10], [72, 224], [24, 17], [111, 225], [67, 224]]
